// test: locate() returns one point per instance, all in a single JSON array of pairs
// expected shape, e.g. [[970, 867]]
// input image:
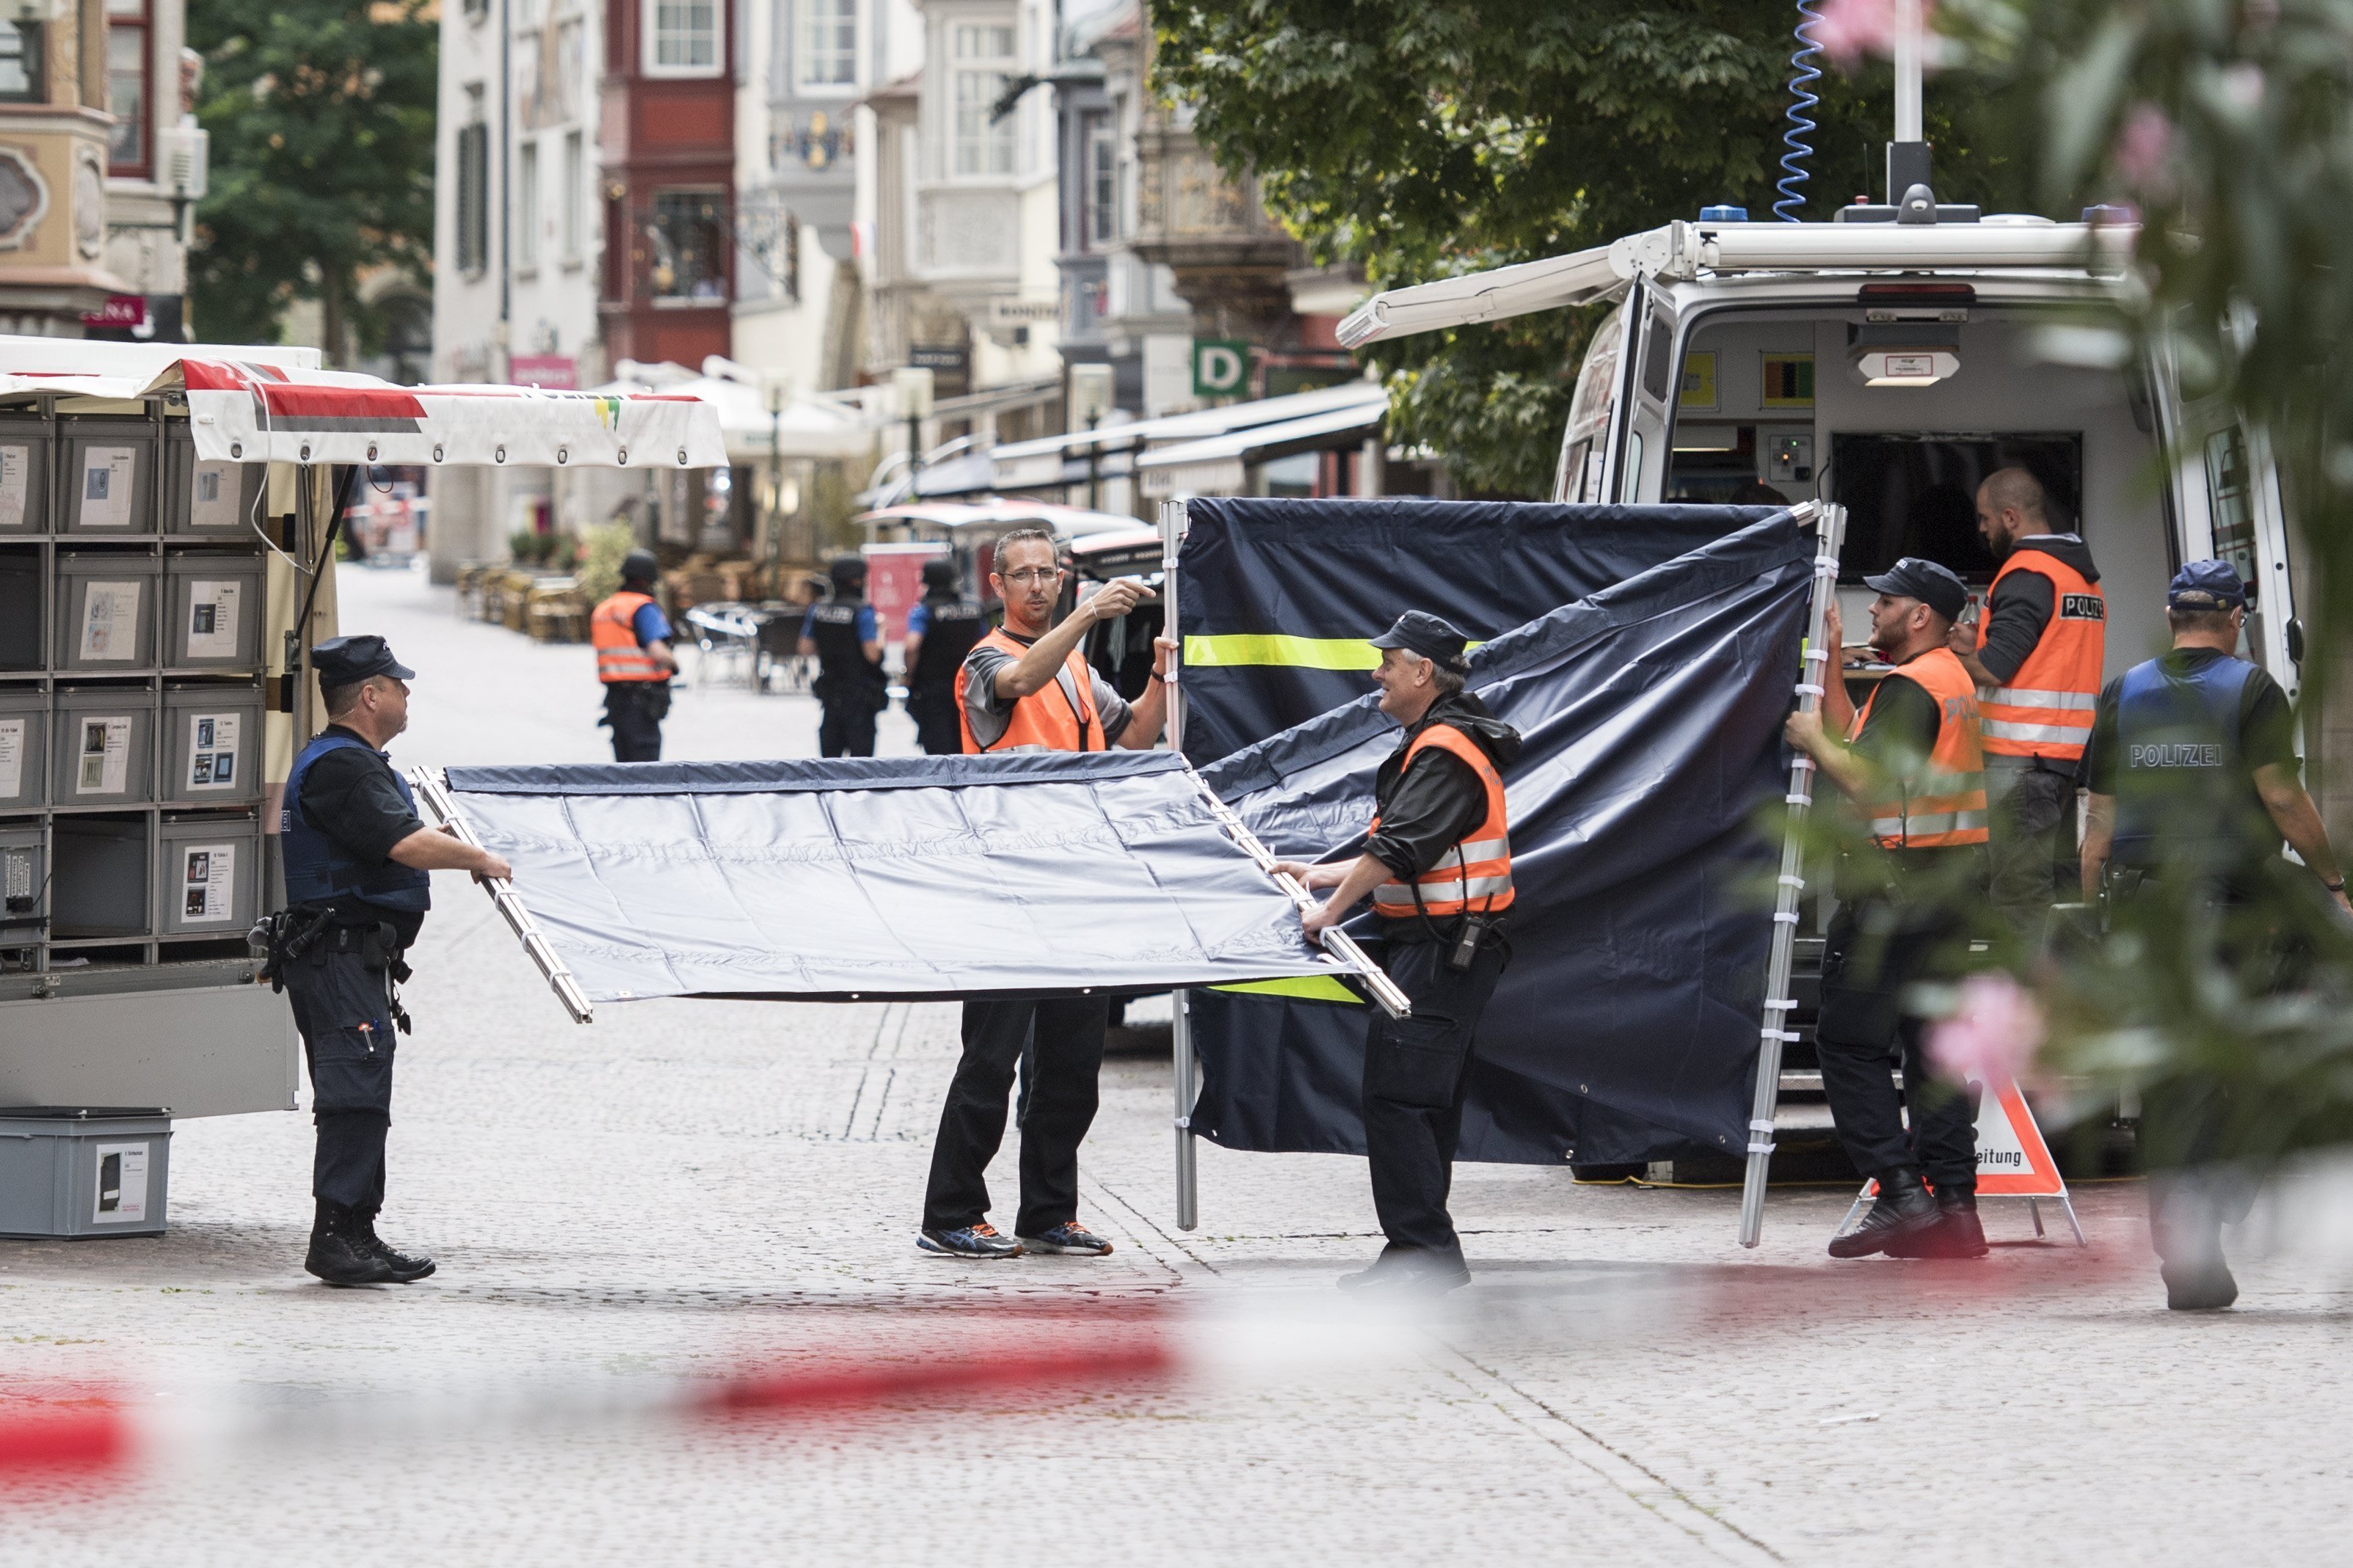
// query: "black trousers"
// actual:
[[1059, 1108], [1873, 953], [344, 1009], [936, 727], [845, 730], [635, 709], [1416, 1071], [2033, 854]]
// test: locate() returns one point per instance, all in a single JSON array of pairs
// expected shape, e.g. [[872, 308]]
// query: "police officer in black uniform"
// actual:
[[357, 859], [851, 686], [940, 631]]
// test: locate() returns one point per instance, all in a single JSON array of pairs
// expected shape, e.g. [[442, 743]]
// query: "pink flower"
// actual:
[[2144, 147], [1991, 1037]]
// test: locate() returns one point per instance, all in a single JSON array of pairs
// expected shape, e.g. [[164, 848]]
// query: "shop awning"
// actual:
[[1000, 513]]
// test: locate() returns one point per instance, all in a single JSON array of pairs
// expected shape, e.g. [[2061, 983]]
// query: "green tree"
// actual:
[[320, 115], [1422, 138]]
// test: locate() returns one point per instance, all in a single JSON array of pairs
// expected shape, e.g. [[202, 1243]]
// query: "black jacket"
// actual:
[[1425, 811]]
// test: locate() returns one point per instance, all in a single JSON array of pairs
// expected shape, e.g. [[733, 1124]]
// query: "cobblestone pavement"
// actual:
[[690, 1188]]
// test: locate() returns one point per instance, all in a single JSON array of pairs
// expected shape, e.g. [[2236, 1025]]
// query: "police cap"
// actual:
[[846, 569], [1418, 631], [347, 661], [640, 566], [1932, 585], [2206, 585], [940, 572]]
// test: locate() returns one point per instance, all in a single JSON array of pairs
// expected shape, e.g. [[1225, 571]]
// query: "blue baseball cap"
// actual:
[[2206, 585], [1432, 636], [1917, 578], [345, 661]]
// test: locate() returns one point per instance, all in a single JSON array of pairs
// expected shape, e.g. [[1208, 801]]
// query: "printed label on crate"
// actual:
[[212, 620], [207, 881], [212, 751], [16, 470], [121, 1184], [109, 621], [105, 756], [106, 486], [12, 756], [17, 876], [213, 503]]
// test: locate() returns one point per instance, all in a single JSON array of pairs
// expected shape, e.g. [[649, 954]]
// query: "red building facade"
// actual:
[[668, 147]]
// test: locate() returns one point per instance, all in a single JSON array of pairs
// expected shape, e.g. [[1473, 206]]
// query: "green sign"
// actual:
[[1220, 366]]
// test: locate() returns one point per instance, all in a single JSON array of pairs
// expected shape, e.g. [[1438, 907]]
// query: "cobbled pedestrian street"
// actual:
[[688, 1190]]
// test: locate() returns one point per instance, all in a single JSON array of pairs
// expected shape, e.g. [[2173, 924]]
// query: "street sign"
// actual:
[[1219, 366]]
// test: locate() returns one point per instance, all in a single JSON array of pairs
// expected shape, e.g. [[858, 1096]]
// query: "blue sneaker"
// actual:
[[973, 1241], [1068, 1236]]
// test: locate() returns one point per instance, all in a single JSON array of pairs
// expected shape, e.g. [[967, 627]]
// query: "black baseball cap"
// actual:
[[1418, 631], [640, 566], [848, 568], [347, 661], [2206, 585], [1932, 585]]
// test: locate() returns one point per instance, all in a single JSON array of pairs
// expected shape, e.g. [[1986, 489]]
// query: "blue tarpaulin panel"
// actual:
[[929, 877], [1276, 590], [1625, 1027]]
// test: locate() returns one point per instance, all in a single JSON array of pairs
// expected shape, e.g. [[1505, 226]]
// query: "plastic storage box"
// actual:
[[102, 745], [83, 1173], [202, 497], [23, 747], [24, 885], [215, 621], [106, 610], [106, 483], [206, 868], [211, 742], [24, 475], [98, 886]]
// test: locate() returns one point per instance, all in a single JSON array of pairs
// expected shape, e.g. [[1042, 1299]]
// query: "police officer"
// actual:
[[356, 857], [1436, 864], [2036, 655], [1026, 688], [1911, 762], [851, 686], [2192, 770], [634, 660], [940, 631]]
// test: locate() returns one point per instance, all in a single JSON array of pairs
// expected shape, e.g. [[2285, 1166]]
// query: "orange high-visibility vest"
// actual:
[[613, 633], [2046, 710], [1475, 875], [1056, 718], [1949, 806]]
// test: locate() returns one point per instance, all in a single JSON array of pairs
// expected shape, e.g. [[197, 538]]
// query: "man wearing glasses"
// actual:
[[1027, 687]]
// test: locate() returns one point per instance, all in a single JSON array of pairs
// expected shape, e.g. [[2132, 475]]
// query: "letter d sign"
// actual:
[[1219, 366]]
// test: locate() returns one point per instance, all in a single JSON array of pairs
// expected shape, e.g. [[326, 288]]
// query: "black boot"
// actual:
[[404, 1267], [1955, 1234], [339, 1252], [1904, 1210]]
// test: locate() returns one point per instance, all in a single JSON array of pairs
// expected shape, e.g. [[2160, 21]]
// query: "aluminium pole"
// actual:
[[1180, 1023], [1819, 666]]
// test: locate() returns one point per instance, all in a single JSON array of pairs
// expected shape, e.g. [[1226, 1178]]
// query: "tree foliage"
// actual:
[[321, 114], [1421, 138]]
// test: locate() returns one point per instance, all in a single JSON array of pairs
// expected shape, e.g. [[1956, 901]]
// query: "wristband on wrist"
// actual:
[[2336, 887]]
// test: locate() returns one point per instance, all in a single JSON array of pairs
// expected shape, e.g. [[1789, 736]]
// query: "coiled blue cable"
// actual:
[[1803, 74]]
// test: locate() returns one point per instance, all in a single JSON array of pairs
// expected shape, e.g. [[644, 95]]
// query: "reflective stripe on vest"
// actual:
[[1058, 718], [613, 632], [2046, 710], [1948, 807], [1475, 875]]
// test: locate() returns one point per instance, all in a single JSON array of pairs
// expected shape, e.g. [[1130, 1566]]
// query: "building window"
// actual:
[[526, 208], [984, 58], [21, 79], [1101, 152], [685, 245], [127, 85], [575, 195], [474, 192], [828, 43], [684, 35]]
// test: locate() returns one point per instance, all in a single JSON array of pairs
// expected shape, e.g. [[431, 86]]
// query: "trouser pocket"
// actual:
[[1416, 1061]]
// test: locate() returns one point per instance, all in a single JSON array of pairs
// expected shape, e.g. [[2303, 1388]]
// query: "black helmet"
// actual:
[[640, 566], [940, 572], [846, 569]]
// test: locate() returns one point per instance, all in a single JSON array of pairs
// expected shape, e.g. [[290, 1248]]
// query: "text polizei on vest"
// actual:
[[2172, 754]]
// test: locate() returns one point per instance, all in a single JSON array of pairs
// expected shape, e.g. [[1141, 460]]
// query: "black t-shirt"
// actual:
[[2266, 722], [351, 795]]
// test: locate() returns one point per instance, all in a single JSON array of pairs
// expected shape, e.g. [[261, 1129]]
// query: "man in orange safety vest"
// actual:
[[631, 637]]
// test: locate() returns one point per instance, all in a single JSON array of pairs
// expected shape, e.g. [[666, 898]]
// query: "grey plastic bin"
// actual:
[[25, 448], [212, 741], [206, 868], [202, 497], [106, 610], [106, 486], [23, 747], [83, 1173], [24, 885], [215, 621], [102, 745], [97, 877]]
